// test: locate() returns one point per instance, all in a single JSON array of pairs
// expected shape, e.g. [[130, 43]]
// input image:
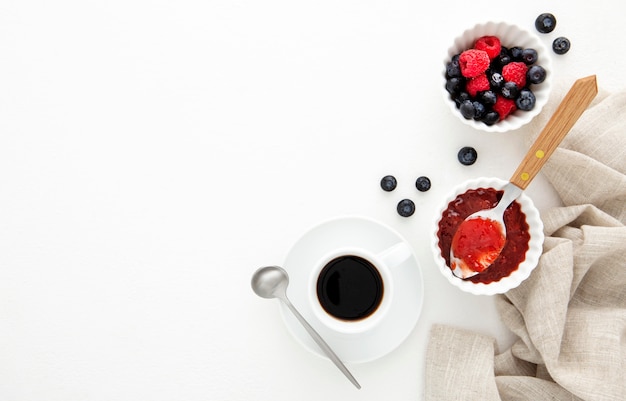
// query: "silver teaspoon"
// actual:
[[271, 282]]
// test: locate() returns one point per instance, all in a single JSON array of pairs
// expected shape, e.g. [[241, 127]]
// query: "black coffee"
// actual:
[[349, 288]]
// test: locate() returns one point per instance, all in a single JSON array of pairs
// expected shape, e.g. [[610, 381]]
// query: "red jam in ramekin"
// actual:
[[517, 231]]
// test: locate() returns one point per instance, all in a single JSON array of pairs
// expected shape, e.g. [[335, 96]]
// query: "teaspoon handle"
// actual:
[[322, 344], [575, 102]]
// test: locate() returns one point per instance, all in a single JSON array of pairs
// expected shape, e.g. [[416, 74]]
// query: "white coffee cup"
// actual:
[[350, 289]]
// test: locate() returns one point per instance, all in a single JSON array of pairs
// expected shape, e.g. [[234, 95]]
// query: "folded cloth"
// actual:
[[569, 316]]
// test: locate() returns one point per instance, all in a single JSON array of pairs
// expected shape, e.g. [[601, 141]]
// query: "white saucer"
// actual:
[[353, 231]]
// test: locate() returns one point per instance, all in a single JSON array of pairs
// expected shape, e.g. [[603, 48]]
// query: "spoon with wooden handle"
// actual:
[[479, 239]]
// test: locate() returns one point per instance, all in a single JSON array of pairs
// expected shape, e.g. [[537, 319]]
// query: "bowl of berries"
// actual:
[[497, 76]]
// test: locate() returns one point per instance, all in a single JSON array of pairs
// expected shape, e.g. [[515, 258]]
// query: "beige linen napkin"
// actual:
[[570, 315]]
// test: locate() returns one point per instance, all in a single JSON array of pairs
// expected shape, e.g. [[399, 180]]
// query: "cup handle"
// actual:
[[395, 254]]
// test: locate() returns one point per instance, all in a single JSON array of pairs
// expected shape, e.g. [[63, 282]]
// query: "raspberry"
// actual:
[[504, 106], [473, 62], [477, 84], [490, 44], [515, 72]]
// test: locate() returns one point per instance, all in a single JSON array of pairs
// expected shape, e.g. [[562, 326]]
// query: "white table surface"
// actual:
[[153, 154]]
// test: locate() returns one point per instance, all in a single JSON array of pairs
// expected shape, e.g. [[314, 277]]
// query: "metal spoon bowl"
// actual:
[[463, 268], [272, 282]]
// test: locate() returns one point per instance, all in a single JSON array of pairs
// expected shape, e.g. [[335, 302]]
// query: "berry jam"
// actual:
[[477, 244], [517, 235]]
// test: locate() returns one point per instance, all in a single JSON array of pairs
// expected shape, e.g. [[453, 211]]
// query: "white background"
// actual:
[[153, 154]]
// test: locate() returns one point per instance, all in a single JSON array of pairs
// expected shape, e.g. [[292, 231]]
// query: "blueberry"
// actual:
[[536, 74], [467, 109], [502, 59], [406, 207], [461, 97], [479, 110], [388, 183], [516, 53], [545, 23], [467, 155], [487, 98], [496, 80], [454, 85], [529, 56], [526, 100], [453, 69], [422, 184], [491, 117], [510, 90], [561, 45]]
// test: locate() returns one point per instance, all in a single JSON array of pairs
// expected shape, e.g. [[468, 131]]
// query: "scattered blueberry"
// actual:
[[561, 45], [406, 207], [545, 23], [467, 155], [536, 74], [388, 183], [526, 100], [422, 184]]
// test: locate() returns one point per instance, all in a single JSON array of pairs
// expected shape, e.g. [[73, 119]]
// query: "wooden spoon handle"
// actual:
[[571, 108]]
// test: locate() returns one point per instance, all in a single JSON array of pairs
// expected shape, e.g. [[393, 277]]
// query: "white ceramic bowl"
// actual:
[[510, 35], [535, 245]]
